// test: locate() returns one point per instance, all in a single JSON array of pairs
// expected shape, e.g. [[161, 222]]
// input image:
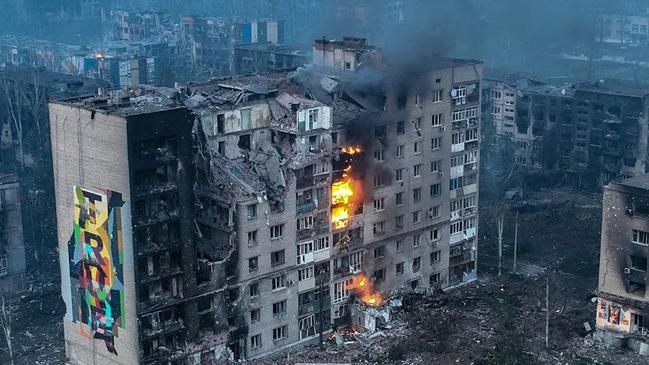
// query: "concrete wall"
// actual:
[[90, 150]]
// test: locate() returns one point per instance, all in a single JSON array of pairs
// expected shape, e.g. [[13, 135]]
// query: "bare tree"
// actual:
[[5, 325], [33, 94], [14, 97]]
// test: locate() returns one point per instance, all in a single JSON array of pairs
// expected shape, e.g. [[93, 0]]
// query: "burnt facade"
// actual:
[[591, 132], [622, 303]]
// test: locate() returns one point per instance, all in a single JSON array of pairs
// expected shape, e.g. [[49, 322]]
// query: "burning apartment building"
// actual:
[[315, 195], [622, 304]]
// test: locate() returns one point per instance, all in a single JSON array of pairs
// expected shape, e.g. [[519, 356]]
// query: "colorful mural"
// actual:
[[96, 264]]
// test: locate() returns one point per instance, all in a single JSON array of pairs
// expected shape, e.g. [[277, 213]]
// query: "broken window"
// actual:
[[401, 127], [638, 263], [255, 341], [435, 257], [398, 222], [220, 123], [399, 268], [221, 147], [416, 217], [245, 119], [378, 155], [414, 284], [416, 194], [322, 243], [254, 290], [399, 198], [434, 279], [252, 238], [640, 237], [304, 223], [435, 190], [379, 204], [379, 275], [305, 273], [251, 211], [434, 235], [276, 231], [417, 147], [379, 252], [437, 119], [402, 100], [399, 152], [277, 258], [436, 143], [416, 240], [279, 308], [307, 327], [253, 264], [278, 282], [437, 95], [399, 174], [399, 244], [380, 131], [416, 264], [244, 142], [280, 333]]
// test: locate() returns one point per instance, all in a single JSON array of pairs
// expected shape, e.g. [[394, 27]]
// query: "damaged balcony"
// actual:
[[156, 210], [150, 240], [162, 323]]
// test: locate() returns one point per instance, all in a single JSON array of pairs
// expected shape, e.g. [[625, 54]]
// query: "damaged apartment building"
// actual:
[[240, 217], [592, 132], [622, 297]]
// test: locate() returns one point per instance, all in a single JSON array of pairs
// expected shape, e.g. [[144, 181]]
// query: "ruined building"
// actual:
[[12, 243], [124, 180], [210, 41], [345, 54], [622, 303], [592, 132], [240, 217]]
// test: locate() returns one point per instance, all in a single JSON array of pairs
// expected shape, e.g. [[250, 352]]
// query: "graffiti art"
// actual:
[[96, 264]]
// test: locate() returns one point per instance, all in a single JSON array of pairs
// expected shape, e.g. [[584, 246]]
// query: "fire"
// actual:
[[343, 192], [364, 290]]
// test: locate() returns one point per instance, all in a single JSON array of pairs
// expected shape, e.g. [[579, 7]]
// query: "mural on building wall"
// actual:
[[96, 264]]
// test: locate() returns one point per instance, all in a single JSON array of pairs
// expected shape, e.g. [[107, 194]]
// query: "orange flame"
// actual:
[[364, 290], [342, 193]]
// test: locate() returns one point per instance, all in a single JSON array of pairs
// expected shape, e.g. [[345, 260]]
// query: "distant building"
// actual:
[[121, 71], [622, 313], [211, 41], [135, 25], [623, 29], [12, 242], [268, 57], [344, 55], [592, 131]]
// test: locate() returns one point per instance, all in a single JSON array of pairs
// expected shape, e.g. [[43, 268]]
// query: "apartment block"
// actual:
[[592, 132], [345, 54], [125, 211], [255, 212], [622, 299]]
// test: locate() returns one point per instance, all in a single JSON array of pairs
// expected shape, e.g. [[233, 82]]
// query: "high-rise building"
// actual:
[[245, 216]]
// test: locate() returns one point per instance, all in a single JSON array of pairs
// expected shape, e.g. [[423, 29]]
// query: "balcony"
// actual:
[[153, 188], [162, 274], [305, 207], [306, 284], [164, 329], [161, 216]]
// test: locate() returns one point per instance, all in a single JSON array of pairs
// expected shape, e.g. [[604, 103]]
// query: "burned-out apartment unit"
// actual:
[[244, 216], [591, 131], [346, 54], [259, 58], [622, 299]]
